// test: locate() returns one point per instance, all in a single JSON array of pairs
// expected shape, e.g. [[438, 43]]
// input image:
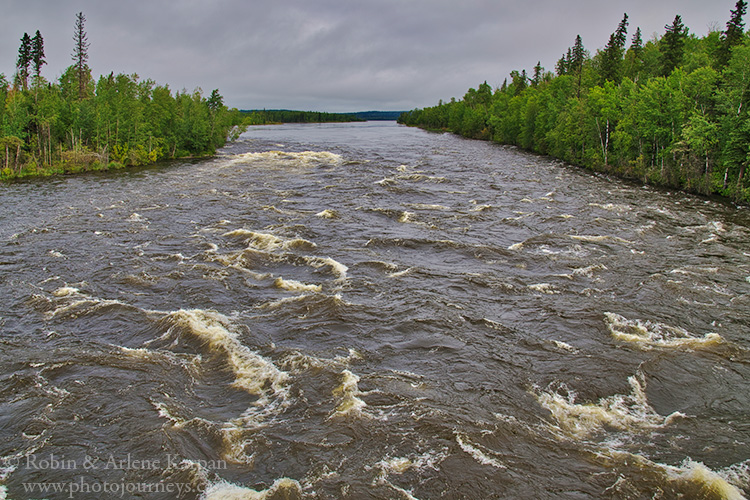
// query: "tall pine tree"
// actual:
[[634, 56], [672, 45], [24, 60], [37, 54], [734, 33], [81, 54], [611, 59], [577, 56]]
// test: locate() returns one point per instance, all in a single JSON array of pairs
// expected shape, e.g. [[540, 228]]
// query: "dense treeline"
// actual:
[[78, 123], [264, 117], [673, 111]]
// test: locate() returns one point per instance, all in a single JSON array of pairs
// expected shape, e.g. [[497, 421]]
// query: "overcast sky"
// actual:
[[332, 55]]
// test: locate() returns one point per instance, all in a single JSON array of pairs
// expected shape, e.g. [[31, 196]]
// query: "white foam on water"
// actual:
[[516, 246], [421, 177], [695, 270], [598, 238], [253, 373], [66, 291], [710, 482], [738, 474], [406, 217], [589, 271], [481, 456], [283, 301], [480, 208], [348, 396], [399, 274], [80, 299], [544, 288], [328, 214], [427, 206], [564, 346], [295, 286], [281, 488], [624, 412], [269, 242], [284, 158], [337, 268], [387, 181], [611, 207], [649, 334], [298, 361]]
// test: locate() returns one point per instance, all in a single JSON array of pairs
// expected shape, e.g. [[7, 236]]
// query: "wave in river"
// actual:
[[650, 334]]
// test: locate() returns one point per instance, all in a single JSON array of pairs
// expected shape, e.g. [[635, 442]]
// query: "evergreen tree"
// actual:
[[734, 33], [24, 60], [538, 74], [81, 54], [560, 66], [612, 55], [672, 45], [577, 56], [634, 56], [636, 44], [37, 54]]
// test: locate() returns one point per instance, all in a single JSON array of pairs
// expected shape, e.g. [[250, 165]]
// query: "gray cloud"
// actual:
[[332, 55]]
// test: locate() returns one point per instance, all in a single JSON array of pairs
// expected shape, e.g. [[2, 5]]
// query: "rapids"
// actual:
[[370, 311]]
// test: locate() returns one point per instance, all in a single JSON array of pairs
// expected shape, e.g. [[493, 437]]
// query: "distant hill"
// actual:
[[377, 115]]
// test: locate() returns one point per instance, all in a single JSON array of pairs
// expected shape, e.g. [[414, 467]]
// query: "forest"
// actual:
[[270, 116], [78, 123], [672, 111]]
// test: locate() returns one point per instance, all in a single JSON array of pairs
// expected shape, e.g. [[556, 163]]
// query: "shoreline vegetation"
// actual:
[[78, 124], [672, 112]]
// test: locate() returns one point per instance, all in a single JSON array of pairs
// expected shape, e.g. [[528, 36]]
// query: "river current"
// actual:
[[370, 311]]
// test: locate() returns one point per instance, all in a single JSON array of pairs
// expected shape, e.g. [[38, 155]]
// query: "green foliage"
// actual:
[[734, 33], [673, 45], [23, 62], [612, 55], [672, 114], [78, 124], [265, 117]]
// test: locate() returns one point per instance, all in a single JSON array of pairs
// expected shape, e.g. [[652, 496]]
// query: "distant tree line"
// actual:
[[265, 117], [674, 111], [77, 123]]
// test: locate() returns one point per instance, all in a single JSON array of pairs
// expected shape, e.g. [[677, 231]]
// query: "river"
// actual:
[[370, 311]]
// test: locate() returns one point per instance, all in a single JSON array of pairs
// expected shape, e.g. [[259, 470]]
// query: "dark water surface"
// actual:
[[369, 311]]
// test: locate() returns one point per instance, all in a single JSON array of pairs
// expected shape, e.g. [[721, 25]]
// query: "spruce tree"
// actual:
[[734, 33], [81, 54], [538, 74], [24, 60], [577, 56], [612, 55], [636, 44], [37, 54], [561, 66], [634, 56], [672, 45]]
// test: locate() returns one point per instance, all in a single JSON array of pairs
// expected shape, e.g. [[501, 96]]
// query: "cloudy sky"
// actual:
[[332, 55]]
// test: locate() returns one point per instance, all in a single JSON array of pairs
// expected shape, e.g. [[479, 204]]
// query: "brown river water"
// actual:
[[370, 311]]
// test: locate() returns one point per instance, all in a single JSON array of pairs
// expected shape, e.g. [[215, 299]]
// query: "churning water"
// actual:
[[369, 311]]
